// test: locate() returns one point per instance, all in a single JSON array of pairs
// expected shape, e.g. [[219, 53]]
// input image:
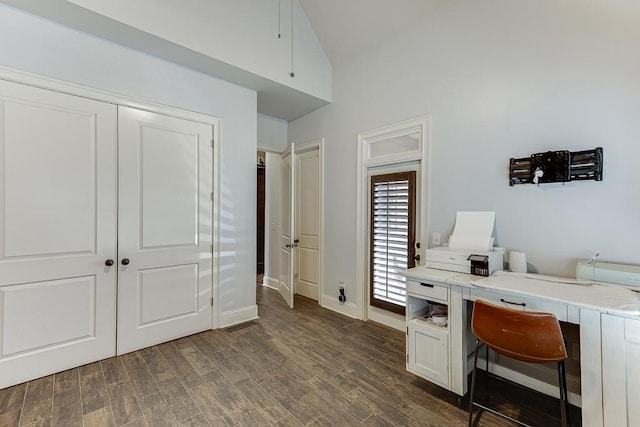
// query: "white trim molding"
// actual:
[[216, 252], [270, 282], [23, 77], [387, 318], [239, 315], [349, 309]]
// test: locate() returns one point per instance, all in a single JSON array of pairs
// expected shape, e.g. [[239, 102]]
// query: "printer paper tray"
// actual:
[[449, 267]]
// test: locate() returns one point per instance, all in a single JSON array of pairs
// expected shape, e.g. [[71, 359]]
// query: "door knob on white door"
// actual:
[[125, 261]]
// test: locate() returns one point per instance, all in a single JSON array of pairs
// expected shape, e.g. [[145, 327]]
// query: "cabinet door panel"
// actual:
[[429, 352], [632, 340], [620, 370]]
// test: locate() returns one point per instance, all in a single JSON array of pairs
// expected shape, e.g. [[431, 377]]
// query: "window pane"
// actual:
[[391, 225], [397, 145]]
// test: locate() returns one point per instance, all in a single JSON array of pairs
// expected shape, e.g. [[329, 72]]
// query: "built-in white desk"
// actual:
[[609, 336]]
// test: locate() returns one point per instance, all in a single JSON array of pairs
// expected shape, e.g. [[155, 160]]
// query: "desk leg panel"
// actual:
[[458, 341], [591, 368]]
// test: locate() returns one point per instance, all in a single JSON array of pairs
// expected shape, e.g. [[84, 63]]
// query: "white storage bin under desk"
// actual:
[[427, 343], [428, 351]]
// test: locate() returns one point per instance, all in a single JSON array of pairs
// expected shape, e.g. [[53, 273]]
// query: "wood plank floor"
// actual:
[[303, 367]]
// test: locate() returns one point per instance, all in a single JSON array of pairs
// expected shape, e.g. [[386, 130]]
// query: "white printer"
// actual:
[[482, 263], [472, 230]]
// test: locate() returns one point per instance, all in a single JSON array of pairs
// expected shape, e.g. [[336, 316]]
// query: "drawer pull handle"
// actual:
[[512, 303], [426, 285]]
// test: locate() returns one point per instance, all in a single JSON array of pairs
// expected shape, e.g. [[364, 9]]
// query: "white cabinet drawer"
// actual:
[[429, 290], [518, 302]]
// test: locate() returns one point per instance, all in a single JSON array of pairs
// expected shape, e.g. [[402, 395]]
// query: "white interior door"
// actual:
[[57, 231], [164, 228], [306, 275], [287, 243]]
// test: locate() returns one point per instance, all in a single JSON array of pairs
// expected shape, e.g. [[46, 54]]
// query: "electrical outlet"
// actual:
[[435, 239]]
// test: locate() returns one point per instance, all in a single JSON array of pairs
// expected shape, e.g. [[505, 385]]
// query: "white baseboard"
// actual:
[[348, 309], [270, 282], [306, 290], [387, 318], [240, 315]]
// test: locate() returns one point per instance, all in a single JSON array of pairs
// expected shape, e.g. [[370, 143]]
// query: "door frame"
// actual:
[[367, 160], [317, 144], [30, 79]]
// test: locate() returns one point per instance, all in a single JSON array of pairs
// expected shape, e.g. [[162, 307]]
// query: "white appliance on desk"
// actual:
[[608, 272], [458, 259]]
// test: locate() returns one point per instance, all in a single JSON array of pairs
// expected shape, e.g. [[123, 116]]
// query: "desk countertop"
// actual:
[[605, 297]]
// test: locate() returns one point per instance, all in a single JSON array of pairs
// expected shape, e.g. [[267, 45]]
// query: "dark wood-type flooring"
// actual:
[[303, 367]]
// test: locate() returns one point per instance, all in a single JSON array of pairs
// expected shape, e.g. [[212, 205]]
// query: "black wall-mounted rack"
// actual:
[[557, 166]]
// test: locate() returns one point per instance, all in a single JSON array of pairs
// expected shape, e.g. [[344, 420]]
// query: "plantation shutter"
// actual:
[[392, 238]]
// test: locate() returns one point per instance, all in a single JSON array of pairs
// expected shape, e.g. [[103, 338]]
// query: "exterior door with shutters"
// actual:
[[392, 238], [164, 228]]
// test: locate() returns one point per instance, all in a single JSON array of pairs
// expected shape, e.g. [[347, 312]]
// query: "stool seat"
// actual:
[[527, 336]]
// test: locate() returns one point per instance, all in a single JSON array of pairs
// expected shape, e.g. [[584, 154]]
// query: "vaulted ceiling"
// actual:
[[347, 28], [343, 28]]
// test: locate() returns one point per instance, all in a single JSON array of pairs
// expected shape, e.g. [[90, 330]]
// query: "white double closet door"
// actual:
[[85, 188]]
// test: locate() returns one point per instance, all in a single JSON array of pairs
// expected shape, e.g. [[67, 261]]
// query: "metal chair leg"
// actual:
[[486, 356], [564, 398], [473, 381]]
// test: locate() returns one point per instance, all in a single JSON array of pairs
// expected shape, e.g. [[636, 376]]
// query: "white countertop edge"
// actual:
[[465, 280]]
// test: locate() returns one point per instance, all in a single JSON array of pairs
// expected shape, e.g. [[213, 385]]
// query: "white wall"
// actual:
[[501, 79], [272, 134], [242, 33], [39, 46]]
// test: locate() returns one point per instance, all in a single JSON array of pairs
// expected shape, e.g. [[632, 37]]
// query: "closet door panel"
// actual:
[[57, 229], [168, 188], [67, 304], [38, 220], [165, 226]]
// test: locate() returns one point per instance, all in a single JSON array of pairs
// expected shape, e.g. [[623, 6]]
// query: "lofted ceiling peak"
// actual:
[[346, 28]]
